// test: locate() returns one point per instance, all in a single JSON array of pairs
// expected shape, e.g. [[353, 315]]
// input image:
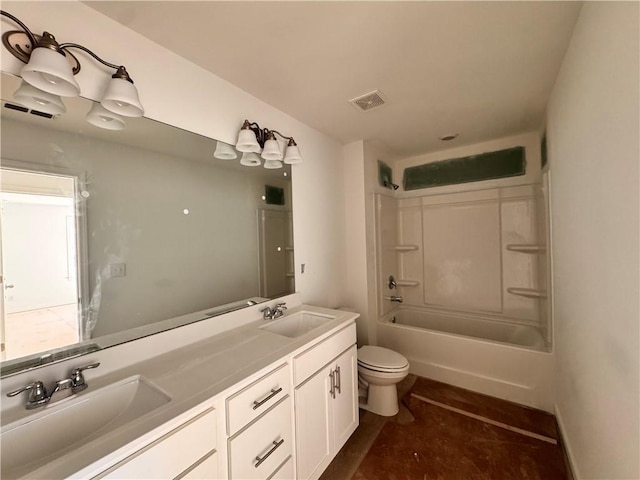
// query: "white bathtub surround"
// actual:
[[436, 348]]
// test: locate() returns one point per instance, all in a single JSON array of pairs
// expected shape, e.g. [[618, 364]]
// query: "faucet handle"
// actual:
[[36, 391], [281, 306], [37, 394], [77, 378]]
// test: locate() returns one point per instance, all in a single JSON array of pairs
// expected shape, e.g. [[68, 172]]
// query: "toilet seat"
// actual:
[[381, 359]]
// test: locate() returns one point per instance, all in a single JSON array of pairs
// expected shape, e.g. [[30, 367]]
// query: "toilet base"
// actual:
[[382, 400]]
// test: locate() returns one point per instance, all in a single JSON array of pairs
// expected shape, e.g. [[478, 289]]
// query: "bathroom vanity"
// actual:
[[265, 400]]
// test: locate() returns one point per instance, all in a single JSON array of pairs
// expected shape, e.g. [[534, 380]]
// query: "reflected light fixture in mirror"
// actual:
[[50, 67], [250, 159], [254, 139], [37, 99], [103, 118], [224, 151]]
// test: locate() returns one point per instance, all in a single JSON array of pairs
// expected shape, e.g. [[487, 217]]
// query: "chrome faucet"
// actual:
[[64, 388], [394, 298], [275, 312]]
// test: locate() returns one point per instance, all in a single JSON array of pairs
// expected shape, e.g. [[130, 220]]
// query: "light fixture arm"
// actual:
[[32, 37], [263, 134], [49, 41]]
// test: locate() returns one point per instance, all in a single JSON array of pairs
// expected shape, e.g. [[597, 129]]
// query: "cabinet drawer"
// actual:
[[207, 469], [285, 472], [172, 454], [269, 438], [252, 401], [312, 360]]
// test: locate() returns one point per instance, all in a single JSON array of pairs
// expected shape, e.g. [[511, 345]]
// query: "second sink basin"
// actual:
[[60, 427], [297, 324]]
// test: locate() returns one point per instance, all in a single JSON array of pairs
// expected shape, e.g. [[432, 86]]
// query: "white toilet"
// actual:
[[379, 370]]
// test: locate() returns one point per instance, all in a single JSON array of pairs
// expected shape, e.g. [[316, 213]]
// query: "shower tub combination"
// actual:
[[492, 357]]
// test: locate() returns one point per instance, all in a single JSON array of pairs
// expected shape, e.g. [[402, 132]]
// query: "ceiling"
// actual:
[[484, 70]]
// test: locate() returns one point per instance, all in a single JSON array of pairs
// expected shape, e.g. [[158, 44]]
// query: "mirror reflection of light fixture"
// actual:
[[272, 164], [51, 67], [103, 118], [37, 99], [252, 138], [224, 151], [250, 159]]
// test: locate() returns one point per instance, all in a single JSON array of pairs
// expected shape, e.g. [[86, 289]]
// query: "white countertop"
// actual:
[[190, 376]]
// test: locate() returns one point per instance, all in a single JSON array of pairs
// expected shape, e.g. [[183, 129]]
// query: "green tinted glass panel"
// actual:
[[384, 173], [274, 195], [486, 166]]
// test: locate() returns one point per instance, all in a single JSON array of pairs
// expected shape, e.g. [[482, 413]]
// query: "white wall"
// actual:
[[175, 91], [593, 136]]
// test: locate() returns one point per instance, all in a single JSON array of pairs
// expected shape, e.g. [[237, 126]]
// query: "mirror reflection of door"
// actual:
[[39, 262], [276, 253]]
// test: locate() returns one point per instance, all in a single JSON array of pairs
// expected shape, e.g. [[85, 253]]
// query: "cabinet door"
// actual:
[[313, 425], [345, 405]]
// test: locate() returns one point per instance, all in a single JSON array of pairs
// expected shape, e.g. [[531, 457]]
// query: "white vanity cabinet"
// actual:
[[188, 451], [259, 422], [326, 408]]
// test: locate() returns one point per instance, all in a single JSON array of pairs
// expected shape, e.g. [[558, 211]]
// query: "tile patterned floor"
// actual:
[[38, 330], [445, 443]]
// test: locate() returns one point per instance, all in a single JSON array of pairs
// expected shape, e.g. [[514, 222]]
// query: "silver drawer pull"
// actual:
[[266, 455], [257, 404], [332, 391], [339, 381]]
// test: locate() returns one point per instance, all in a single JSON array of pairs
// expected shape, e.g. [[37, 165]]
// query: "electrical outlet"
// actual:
[[117, 270]]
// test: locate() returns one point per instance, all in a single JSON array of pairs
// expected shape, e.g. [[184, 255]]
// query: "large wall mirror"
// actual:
[[110, 234]]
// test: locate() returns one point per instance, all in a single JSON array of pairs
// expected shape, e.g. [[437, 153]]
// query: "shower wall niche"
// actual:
[[482, 252]]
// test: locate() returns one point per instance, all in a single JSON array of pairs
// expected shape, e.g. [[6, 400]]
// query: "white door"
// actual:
[[313, 425], [275, 253], [345, 405]]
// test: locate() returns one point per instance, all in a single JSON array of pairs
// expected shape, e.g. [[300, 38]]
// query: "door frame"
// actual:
[[82, 253]]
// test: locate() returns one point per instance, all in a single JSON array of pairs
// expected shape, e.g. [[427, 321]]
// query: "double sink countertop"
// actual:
[[191, 377]]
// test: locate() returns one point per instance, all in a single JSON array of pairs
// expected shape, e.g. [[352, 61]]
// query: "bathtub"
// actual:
[[499, 359]]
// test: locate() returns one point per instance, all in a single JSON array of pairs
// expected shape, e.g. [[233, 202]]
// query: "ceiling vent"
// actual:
[[368, 101]]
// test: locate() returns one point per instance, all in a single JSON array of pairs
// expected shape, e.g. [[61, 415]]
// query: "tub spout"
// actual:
[[394, 298]]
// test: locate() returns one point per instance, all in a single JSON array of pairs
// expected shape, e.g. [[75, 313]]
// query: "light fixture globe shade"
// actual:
[[121, 98], [50, 71], [292, 155], [250, 159], [272, 164], [224, 151], [247, 141], [103, 118], [271, 151], [36, 99]]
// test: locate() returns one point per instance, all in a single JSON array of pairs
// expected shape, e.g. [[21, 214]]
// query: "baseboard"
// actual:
[[569, 458]]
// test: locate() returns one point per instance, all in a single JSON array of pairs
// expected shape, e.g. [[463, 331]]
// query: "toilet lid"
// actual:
[[379, 357]]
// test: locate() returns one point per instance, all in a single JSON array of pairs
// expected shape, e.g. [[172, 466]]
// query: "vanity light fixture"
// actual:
[[224, 151], [50, 67], [103, 118], [252, 139], [37, 99]]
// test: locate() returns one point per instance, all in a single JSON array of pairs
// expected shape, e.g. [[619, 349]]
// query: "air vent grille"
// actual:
[[20, 108], [368, 101]]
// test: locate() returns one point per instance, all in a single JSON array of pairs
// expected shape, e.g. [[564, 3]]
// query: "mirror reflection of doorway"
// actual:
[[275, 236], [38, 240]]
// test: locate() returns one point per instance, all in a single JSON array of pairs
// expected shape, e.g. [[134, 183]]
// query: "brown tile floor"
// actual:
[[441, 444]]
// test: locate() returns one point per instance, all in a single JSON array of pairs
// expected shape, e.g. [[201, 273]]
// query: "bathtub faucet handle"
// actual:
[[394, 298]]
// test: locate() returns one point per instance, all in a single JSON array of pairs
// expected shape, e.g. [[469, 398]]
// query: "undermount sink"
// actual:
[[63, 426], [297, 324]]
